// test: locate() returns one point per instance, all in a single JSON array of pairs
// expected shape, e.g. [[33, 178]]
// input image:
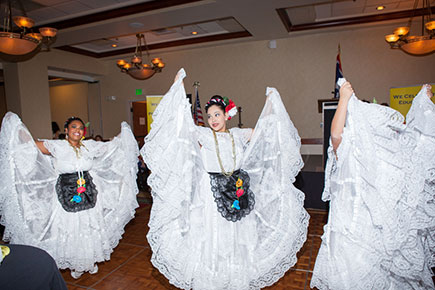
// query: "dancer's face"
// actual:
[[217, 118], [75, 131]]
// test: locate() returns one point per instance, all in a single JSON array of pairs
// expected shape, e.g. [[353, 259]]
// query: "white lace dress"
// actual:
[[193, 245], [30, 209], [381, 184]]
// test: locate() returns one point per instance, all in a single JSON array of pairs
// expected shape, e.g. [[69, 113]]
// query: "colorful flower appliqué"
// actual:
[[81, 189], [236, 205]]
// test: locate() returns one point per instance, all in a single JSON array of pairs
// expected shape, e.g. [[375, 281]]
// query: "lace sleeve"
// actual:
[[203, 136], [379, 170], [121, 152], [275, 135], [272, 160], [171, 152], [273, 157], [421, 124], [27, 181], [51, 146], [244, 134], [115, 166], [421, 116]]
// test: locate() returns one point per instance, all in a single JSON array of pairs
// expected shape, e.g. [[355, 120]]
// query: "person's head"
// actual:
[[55, 128], [98, 138], [216, 115], [74, 129]]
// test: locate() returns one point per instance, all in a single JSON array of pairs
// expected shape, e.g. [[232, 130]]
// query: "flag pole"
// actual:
[[196, 84], [338, 73], [338, 55]]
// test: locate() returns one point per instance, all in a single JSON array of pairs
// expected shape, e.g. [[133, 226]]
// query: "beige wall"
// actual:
[[94, 109], [69, 100], [70, 62], [302, 68], [28, 92]]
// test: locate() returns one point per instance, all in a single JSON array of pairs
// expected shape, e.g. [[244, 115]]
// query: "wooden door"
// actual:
[[139, 110]]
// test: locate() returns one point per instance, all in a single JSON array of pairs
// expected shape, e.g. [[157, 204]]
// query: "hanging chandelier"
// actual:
[[137, 68], [22, 43], [419, 44]]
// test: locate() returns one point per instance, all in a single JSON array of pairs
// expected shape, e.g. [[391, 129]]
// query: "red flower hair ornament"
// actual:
[[230, 108]]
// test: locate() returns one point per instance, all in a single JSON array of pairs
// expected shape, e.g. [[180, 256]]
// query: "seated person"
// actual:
[[28, 268]]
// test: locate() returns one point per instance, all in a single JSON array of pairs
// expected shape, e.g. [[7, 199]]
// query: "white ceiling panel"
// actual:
[[355, 11], [46, 13], [72, 7], [99, 3], [163, 35], [209, 27], [348, 4], [50, 2], [381, 2], [131, 1], [230, 25], [388, 8], [323, 11], [300, 15]]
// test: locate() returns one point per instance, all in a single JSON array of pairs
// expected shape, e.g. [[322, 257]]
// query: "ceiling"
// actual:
[[107, 28]]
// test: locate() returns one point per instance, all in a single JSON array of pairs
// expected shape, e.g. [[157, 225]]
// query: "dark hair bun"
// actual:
[[216, 100]]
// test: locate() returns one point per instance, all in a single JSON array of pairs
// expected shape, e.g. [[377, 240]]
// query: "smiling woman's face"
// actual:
[[75, 130], [217, 118]]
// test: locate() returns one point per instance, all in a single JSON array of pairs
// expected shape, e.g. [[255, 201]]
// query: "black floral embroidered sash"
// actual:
[[74, 193], [232, 194]]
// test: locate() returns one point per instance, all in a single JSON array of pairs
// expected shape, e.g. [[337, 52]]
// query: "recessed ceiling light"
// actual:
[[379, 8], [114, 45], [194, 32]]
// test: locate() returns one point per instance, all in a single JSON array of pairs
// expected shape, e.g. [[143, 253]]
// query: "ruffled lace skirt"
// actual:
[[76, 240], [32, 214], [213, 253]]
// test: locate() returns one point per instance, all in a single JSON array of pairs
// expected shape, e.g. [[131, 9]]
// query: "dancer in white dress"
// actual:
[[74, 202], [225, 213], [380, 179]]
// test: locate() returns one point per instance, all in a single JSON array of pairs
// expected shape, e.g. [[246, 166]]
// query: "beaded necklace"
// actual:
[[228, 174], [77, 149]]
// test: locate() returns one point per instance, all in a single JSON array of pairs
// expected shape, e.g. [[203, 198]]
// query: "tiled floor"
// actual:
[[130, 266]]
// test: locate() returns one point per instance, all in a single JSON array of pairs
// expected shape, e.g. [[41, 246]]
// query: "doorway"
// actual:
[[139, 112]]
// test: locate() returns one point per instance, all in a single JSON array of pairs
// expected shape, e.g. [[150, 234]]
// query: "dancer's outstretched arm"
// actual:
[[339, 119], [41, 147]]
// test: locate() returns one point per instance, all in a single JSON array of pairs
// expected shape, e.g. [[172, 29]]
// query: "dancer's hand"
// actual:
[[177, 76], [339, 119], [428, 90], [346, 91]]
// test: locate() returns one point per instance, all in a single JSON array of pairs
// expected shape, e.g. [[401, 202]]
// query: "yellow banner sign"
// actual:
[[401, 98], [152, 103]]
